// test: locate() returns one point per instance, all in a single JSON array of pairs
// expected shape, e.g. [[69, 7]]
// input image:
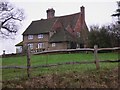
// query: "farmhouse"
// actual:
[[54, 33]]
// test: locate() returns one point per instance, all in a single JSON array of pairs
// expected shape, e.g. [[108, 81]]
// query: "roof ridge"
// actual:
[[57, 17], [68, 15], [66, 33], [66, 36]]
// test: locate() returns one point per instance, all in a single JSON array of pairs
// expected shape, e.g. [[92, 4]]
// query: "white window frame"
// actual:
[[30, 45], [30, 37], [53, 44], [78, 34], [40, 36], [41, 45], [19, 49]]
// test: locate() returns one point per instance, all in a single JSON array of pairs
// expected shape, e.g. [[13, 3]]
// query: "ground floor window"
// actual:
[[40, 45], [30, 45], [19, 49], [53, 44]]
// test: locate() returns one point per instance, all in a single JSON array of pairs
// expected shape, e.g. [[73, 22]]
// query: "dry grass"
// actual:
[[104, 78]]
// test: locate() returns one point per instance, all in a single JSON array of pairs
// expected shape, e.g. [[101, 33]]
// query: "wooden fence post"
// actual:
[[96, 57], [28, 61]]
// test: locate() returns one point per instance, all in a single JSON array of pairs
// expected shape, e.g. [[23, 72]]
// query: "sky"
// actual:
[[97, 12]]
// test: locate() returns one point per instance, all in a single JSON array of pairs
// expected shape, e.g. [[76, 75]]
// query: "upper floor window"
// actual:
[[40, 45], [40, 36], [30, 36]]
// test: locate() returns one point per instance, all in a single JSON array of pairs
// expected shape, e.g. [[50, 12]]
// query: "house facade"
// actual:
[[54, 33]]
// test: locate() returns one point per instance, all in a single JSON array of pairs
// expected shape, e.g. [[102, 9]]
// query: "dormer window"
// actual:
[[30, 37], [40, 36]]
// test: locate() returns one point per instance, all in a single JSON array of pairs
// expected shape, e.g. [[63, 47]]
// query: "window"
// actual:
[[53, 44], [19, 49], [40, 36], [77, 45], [40, 45], [30, 36], [30, 45], [78, 34]]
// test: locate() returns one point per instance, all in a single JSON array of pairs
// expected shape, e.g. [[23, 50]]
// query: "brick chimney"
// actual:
[[82, 13], [50, 13]]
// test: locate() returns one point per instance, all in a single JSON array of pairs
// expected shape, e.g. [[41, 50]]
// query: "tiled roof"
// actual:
[[69, 20], [45, 25], [61, 36], [19, 44], [39, 26]]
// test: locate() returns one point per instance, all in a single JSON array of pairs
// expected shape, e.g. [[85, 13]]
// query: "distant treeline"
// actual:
[[105, 36]]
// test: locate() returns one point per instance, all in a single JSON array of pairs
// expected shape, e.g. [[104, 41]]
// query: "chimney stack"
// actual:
[[50, 13], [82, 15]]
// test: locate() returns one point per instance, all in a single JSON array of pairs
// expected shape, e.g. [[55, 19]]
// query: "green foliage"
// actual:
[[105, 36]]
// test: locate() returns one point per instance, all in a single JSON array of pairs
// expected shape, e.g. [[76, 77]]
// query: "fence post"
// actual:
[[96, 57], [28, 61]]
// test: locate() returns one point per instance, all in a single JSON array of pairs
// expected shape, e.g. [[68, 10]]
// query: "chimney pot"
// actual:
[[82, 13], [82, 10], [50, 13]]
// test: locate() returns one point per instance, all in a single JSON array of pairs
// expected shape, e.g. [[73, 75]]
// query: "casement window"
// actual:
[[40, 45], [19, 49], [30, 45], [40, 36], [30, 37], [53, 44], [78, 34], [77, 45]]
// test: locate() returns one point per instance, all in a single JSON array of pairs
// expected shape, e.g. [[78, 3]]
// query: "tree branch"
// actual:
[[6, 20], [8, 29], [16, 19], [9, 18], [7, 10]]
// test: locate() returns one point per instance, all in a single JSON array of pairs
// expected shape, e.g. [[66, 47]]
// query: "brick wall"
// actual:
[[36, 40], [61, 45]]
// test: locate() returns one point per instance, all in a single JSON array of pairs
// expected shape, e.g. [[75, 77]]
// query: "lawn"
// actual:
[[13, 74], [57, 58]]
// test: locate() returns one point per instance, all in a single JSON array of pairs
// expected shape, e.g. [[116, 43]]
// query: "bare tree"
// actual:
[[10, 18], [117, 14], [115, 28]]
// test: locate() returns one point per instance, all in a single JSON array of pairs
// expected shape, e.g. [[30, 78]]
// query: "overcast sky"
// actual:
[[97, 12]]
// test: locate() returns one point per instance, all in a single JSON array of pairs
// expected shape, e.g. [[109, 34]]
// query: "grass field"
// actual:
[[16, 74], [57, 58]]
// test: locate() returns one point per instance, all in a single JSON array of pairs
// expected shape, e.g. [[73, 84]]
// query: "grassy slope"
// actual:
[[103, 78], [9, 74], [43, 59]]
